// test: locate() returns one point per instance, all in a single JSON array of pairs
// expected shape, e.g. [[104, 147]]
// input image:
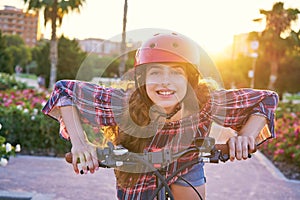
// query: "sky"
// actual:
[[212, 24]]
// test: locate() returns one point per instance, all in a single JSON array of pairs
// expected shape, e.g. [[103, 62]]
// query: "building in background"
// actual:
[[100, 47], [103, 47], [15, 21]]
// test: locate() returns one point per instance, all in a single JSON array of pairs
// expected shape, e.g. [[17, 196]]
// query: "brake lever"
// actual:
[[217, 155]]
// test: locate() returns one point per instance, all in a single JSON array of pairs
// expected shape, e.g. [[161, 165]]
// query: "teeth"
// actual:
[[165, 92]]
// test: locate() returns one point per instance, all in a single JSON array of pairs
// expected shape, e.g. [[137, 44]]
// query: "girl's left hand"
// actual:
[[241, 146]]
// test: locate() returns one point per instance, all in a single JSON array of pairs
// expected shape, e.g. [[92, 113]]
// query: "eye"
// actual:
[[153, 72], [178, 71]]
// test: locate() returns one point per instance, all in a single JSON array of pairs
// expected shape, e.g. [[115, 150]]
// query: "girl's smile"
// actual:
[[165, 92]]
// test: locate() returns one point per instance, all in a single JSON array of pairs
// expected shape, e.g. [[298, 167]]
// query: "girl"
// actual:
[[170, 107]]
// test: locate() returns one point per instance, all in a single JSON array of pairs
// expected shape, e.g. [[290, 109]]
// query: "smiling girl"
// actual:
[[171, 106]]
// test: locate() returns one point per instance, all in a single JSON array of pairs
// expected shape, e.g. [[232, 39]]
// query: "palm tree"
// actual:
[[278, 21], [54, 11], [123, 44]]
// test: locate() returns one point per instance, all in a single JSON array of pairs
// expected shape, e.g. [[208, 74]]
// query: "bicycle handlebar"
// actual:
[[112, 156]]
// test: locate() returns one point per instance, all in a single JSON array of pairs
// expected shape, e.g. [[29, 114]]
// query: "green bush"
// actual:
[[24, 123]]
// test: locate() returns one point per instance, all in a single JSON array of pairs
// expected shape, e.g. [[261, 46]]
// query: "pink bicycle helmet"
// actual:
[[167, 47]]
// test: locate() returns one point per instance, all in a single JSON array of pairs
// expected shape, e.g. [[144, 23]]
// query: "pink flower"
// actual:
[[279, 151], [293, 115], [293, 155], [7, 104], [296, 132], [20, 103], [277, 144]]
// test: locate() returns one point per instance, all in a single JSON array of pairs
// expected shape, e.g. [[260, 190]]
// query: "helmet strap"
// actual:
[[169, 115]]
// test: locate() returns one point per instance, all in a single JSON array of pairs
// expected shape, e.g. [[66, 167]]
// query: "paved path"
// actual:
[[45, 178]]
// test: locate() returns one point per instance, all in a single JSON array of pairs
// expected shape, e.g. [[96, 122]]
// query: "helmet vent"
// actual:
[[152, 45], [175, 45]]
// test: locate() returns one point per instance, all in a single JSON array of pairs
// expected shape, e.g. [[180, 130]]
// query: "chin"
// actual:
[[167, 106]]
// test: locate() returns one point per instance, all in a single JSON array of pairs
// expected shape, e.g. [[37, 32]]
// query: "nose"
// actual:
[[165, 78]]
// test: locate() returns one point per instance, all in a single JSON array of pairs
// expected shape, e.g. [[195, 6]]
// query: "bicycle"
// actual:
[[116, 156]]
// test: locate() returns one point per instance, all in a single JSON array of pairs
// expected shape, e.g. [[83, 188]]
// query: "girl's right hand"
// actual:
[[84, 155]]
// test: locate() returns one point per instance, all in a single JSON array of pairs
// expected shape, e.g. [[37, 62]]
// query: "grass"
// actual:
[[29, 76], [293, 97]]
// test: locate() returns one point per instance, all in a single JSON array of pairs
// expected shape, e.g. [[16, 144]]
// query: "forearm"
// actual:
[[253, 126], [70, 117]]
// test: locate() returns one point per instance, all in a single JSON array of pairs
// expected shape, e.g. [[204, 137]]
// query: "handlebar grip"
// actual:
[[224, 148]]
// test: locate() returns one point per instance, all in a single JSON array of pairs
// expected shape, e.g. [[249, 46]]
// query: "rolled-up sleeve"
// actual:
[[232, 108], [92, 101]]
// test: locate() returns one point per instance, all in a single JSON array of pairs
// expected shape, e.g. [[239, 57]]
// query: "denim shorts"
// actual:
[[195, 177]]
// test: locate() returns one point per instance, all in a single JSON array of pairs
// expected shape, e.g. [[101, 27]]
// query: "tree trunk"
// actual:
[[273, 75], [53, 60], [53, 47], [123, 44]]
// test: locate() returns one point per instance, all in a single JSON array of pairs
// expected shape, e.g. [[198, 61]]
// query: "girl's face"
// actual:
[[166, 84]]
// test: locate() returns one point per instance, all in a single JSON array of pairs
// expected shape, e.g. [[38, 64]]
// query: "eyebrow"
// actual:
[[159, 66]]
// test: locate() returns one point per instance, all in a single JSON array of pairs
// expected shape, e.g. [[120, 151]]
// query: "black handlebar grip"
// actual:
[[223, 148]]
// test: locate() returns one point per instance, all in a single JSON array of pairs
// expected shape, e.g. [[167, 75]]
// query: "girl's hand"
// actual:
[[87, 156], [244, 143], [82, 149], [241, 146]]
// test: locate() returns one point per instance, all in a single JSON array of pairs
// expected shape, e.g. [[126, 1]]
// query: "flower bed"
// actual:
[[284, 150]]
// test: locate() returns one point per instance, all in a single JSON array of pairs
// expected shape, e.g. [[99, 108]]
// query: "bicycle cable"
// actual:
[[187, 182], [175, 174], [158, 175]]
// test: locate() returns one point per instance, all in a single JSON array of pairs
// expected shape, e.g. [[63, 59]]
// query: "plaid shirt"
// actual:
[[99, 106]]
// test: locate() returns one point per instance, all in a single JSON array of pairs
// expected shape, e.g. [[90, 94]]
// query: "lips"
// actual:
[[165, 92]]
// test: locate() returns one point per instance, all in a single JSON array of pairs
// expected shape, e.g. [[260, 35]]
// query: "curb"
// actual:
[[25, 195], [272, 168]]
